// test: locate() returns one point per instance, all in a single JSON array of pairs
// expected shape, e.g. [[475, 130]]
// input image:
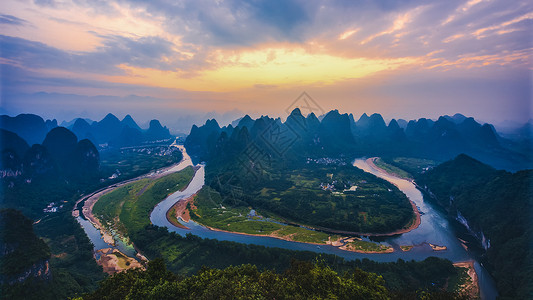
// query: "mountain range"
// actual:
[[340, 134], [119, 133], [109, 132], [59, 154]]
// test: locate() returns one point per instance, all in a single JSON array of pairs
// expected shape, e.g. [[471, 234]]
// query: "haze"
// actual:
[[198, 59]]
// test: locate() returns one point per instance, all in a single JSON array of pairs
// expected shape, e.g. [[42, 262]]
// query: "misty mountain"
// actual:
[[156, 131], [338, 134], [60, 154], [334, 132], [82, 129], [457, 118], [128, 121], [107, 129], [402, 123], [115, 133], [68, 124], [31, 128]]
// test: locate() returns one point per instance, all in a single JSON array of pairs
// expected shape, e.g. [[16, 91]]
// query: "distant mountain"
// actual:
[[495, 207], [60, 143], [115, 133], [50, 124], [82, 129], [108, 132], [107, 129], [128, 137], [31, 128], [457, 118], [59, 155], [69, 124], [197, 140], [128, 121], [156, 131], [334, 132], [246, 121], [339, 134], [402, 123]]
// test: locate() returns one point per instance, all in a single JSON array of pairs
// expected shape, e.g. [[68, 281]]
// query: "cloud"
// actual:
[[262, 46], [143, 52], [232, 23], [12, 20]]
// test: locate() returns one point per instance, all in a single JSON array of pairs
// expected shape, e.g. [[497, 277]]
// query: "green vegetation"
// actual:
[[132, 164], [211, 212], [366, 246], [132, 203], [74, 271], [406, 248], [456, 281], [302, 280], [392, 169], [496, 204], [186, 255], [317, 196], [21, 248], [409, 166]]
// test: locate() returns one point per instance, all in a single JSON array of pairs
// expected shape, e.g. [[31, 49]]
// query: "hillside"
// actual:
[[495, 206]]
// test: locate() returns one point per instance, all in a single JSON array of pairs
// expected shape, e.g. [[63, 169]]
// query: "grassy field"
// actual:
[[132, 164], [209, 211], [392, 169], [412, 166], [132, 203]]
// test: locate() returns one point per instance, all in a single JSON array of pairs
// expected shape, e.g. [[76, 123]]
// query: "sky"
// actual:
[[185, 61]]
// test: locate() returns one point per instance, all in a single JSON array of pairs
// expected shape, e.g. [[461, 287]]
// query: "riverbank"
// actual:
[[417, 220], [179, 211], [112, 259], [471, 287]]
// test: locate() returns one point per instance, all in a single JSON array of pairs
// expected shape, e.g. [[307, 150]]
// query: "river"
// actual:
[[434, 229]]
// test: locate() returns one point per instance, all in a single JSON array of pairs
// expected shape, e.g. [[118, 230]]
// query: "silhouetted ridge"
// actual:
[[156, 131], [246, 121], [338, 134], [60, 143], [31, 128], [128, 121]]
